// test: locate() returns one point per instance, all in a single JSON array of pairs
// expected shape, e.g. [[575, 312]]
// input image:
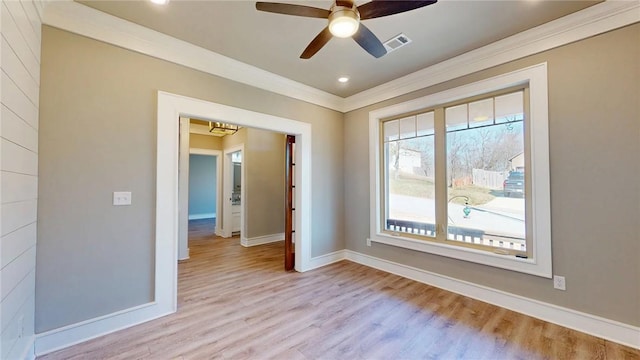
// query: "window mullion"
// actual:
[[440, 174], [528, 189]]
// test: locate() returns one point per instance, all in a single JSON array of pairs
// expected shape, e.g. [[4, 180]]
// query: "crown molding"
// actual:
[[591, 21], [83, 20], [86, 21]]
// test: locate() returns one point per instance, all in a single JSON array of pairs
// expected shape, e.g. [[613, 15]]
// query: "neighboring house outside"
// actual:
[[516, 163], [409, 161]]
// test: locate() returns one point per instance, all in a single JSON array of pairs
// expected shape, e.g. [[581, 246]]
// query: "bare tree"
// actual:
[[457, 153]]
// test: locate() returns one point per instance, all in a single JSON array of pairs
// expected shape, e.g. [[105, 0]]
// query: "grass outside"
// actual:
[[422, 188], [425, 188], [477, 195]]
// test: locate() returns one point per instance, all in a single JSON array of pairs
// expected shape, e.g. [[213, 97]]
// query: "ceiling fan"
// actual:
[[345, 21]]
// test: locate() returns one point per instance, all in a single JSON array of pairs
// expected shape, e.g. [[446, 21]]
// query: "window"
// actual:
[[408, 171], [464, 173]]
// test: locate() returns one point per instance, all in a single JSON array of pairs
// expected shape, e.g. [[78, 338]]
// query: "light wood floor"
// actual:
[[238, 303]]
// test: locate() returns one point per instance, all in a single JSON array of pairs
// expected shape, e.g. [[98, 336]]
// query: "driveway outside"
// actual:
[[501, 216]]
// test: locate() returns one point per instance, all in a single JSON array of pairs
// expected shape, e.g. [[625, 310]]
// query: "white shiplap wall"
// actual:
[[19, 95]]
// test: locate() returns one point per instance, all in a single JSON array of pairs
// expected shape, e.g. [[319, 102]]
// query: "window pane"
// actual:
[[425, 124], [481, 113], [485, 186], [408, 127], [409, 175], [391, 130], [456, 117], [509, 107]]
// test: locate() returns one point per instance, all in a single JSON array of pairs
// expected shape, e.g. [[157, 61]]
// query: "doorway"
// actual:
[[184, 159], [170, 107], [234, 187]]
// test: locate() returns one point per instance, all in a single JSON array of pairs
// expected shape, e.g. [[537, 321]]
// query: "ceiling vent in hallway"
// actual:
[[396, 42]]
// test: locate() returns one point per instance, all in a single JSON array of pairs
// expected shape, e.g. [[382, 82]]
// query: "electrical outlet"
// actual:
[[368, 242], [559, 282]]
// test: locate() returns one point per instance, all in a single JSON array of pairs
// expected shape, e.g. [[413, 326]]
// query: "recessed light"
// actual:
[[160, 2], [343, 79]]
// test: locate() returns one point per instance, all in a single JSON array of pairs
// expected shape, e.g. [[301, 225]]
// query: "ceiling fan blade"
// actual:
[[380, 8], [345, 3], [290, 9], [317, 43], [365, 38]]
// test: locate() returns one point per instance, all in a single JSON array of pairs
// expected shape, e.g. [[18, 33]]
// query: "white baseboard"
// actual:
[[324, 260], [69, 335], [202, 216], [259, 240], [594, 325], [185, 257], [31, 352]]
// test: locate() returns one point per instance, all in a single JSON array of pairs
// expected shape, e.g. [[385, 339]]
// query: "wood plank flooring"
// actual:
[[238, 303]]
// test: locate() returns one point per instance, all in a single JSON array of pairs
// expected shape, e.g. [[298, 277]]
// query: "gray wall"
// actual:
[[263, 159], [202, 184], [264, 172], [594, 125], [98, 135], [240, 137]]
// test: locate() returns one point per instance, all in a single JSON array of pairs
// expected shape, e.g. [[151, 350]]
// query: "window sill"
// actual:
[[507, 262]]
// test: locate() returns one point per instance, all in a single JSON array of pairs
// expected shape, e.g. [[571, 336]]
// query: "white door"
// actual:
[[234, 191], [236, 201]]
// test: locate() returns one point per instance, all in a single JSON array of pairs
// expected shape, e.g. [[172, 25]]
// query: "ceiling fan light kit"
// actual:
[[345, 21]]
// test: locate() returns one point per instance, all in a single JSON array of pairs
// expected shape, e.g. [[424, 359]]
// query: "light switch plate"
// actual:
[[121, 198]]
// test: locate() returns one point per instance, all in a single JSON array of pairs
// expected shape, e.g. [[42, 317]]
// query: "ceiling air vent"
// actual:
[[396, 42]]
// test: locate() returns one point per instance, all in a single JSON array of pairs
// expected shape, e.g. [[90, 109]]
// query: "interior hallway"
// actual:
[[238, 303]]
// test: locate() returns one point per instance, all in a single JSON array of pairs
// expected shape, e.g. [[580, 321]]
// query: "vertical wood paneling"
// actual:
[[18, 131], [18, 159], [15, 346], [39, 6], [17, 215], [23, 23], [34, 17], [17, 242], [18, 187], [18, 43], [16, 100], [16, 71], [16, 299], [16, 271], [19, 98]]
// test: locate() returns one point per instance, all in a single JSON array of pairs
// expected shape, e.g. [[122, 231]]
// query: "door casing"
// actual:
[[170, 108]]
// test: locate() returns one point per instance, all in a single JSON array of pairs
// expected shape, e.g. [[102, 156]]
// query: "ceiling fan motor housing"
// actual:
[[344, 21]]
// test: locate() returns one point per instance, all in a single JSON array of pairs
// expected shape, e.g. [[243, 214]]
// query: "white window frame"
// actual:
[[539, 264]]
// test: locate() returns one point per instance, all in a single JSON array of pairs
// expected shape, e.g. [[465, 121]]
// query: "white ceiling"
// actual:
[[274, 42]]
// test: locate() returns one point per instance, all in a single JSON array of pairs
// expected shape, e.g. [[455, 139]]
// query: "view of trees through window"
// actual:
[[485, 168]]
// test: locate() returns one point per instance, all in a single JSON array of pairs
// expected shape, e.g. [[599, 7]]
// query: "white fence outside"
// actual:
[[489, 179]]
